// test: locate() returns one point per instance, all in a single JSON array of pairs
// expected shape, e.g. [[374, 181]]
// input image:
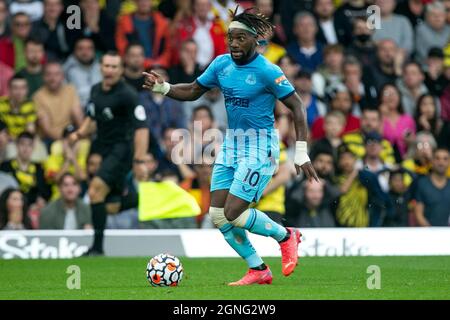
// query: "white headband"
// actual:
[[240, 25]]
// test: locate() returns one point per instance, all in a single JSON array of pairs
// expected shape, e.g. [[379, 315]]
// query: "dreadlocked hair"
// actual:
[[254, 20]]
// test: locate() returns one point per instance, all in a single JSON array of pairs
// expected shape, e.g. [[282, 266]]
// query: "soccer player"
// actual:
[[120, 119], [250, 84]]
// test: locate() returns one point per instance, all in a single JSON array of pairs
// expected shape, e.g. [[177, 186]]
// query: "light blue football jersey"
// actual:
[[250, 92]]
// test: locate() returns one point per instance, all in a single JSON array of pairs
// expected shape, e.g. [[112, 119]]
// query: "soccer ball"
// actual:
[[164, 270]]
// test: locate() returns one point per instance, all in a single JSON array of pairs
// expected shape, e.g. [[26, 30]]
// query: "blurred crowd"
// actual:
[[375, 82]]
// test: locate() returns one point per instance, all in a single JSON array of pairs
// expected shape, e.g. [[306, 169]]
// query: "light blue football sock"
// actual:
[[238, 240], [258, 222]]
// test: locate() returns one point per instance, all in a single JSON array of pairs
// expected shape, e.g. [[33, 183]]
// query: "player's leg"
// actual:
[[98, 190]]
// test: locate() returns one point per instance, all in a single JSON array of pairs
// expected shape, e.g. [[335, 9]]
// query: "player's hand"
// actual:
[[308, 170], [151, 79]]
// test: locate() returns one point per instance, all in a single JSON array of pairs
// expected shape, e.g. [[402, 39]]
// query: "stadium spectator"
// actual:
[[13, 210], [93, 163], [427, 115], [399, 196], [16, 111], [323, 163], [334, 124], [4, 13], [346, 14], [207, 32], [330, 72], [435, 32], [447, 10], [6, 73], [413, 10], [34, 55], [32, 8], [371, 121], [270, 50], [386, 67], [221, 10], [162, 111], [4, 139], [305, 49], [420, 154], [398, 127], [394, 27], [66, 158], [188, 69], [411, 86], [270, 11], [137, 26], [433, 193], [204, 133], [363, 97], [68, 212], [329, 31], [309, 205], [214, 99], [362, 45], [435, 79], [134, 66], [28, 174], [289, 67], [12, 47], [57, 104], [82, 69], [340, 101], [51, 30], [314, 107]]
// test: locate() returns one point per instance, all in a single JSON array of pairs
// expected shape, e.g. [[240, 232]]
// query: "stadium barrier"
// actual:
[[38, 244]]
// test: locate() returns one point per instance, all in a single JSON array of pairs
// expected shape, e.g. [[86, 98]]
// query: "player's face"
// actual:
[[111, 69], [242, 45]]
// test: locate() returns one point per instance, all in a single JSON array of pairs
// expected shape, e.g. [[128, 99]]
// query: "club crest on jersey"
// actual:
[[251, 79], [107, 114]]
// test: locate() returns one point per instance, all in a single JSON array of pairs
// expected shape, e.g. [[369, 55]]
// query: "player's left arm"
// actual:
[[301, 158]]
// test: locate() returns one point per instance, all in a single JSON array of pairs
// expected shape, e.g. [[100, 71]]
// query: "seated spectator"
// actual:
[[309, 205], [363, 97], [95, 24], [289, 67], [267, 8], [13, 211], [136, 27], [82, 69], [427, 115], [398, 127], [162, 111], [66, 158], [188, 69], [411, 86], [340, 101], [435, 32], [51, 30], [394, 26], [330, 32], [306, 50], [93, 162], [323, 163], [330, 72], [362, 45], [4, 13], [371, 121], [68, 212], [57, 104], [16, 111], [334, 124], [347, 13], [400, 198], [199, 188], [6, 73], [433, 193], [32, 8], [34, 55], [12, 47], [435, 79], [204, 29], [411, 9], [28, 174], [314, 107], [4, 139], [134, 66], [386, 67]]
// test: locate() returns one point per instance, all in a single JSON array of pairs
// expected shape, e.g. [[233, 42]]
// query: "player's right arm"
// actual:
[[181, 91]]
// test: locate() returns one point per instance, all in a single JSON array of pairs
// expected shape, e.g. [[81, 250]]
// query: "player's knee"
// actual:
[[218, 216]]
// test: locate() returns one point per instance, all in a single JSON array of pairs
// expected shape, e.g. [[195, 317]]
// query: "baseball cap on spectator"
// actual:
[[436, 52], [372, 137], [68, 130]]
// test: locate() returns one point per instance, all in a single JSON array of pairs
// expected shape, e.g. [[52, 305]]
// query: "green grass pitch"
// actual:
[[314, 278]]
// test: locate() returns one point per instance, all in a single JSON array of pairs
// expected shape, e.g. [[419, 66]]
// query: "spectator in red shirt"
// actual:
[[340, 101], [150, 29]]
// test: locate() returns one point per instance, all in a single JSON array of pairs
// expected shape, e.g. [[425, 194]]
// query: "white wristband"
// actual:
[[162, 88], [301, 153]]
